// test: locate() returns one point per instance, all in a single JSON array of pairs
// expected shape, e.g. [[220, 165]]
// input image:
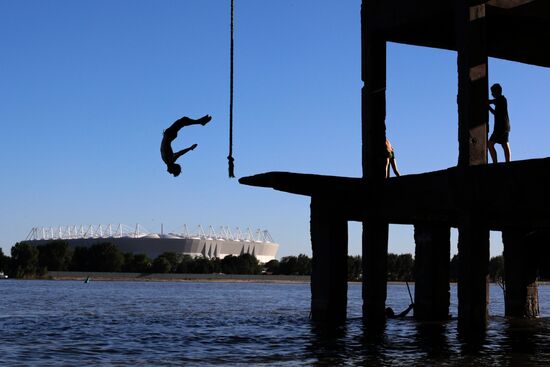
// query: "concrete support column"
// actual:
[[375, 232], [329, 276], [520, 269], [473, 265], [432, 259], [373, 94], [473, 115], [375, 263], [473, 81]]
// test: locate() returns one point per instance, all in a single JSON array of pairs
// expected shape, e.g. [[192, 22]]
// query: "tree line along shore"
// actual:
[[29, 261]]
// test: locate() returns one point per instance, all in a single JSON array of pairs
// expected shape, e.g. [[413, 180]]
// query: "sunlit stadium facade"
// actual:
[[137, 240]]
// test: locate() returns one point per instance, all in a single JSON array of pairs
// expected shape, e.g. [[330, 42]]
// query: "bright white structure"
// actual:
[[136, 239]]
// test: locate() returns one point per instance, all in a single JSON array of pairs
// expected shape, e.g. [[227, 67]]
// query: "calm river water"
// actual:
[[69, 323]]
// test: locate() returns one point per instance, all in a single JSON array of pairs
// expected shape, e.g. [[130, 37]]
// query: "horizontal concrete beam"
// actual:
[[516, 28], [510, 195], [508, 4]]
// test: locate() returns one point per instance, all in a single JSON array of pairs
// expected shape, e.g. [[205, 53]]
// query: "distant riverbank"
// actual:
[[173, 277], [158, 277]]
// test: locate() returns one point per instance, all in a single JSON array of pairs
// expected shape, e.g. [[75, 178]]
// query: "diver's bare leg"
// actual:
[[186, 121], [182, 152]]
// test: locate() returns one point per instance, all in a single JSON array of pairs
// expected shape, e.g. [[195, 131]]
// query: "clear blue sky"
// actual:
[[87, 88]]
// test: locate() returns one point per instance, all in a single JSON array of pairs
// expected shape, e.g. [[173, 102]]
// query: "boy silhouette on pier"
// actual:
[[501, 128], [170, 134]]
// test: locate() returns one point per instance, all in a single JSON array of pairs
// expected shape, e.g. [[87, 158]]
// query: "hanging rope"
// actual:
[[230, 159]]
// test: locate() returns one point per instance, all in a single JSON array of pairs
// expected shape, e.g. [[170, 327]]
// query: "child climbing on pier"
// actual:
[[170, 134], [501, 128], [390, 160]]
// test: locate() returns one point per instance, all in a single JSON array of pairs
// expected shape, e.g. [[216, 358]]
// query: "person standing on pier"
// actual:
[[390, 160], [501, 128]]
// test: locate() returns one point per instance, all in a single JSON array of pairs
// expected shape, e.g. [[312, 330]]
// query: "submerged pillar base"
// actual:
[[431, 291], [329, 275], [473, 266], [520, 267], [375, 258]]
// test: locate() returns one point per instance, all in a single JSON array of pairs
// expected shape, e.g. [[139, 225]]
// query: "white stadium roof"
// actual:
[[72, 232]]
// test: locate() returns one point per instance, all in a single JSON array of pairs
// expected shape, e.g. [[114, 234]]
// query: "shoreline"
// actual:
[[175, 277]]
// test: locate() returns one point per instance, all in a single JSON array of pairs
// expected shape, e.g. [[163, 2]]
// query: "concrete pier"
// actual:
[[473, 196]]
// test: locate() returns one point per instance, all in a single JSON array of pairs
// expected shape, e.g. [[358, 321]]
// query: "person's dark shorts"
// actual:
[[499, 138], [390, 155]]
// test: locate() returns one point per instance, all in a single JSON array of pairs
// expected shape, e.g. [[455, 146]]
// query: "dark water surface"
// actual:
[[69, 323]]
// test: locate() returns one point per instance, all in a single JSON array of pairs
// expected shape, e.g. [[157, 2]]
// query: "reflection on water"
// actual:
[[405, 342], [124, 323]]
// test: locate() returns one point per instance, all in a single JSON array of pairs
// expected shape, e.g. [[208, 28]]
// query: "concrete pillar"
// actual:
[[520, 268], [329, 276], [432, 259], [473, 82], [473, 267], [375, 233], [375, 263], [473, 115], [373, 112]]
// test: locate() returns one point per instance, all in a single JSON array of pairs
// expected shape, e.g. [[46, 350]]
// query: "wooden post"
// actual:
[[473, 243], [432, 259], [375, 233], [329, 276], [520, 268]]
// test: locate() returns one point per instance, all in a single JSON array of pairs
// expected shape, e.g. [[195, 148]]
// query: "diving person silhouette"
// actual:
[[170, 134]]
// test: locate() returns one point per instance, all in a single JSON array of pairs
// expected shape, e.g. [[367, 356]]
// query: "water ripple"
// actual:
[[62, 323]]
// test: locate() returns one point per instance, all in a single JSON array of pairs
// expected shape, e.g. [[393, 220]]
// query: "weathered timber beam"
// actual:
[[510, 195]]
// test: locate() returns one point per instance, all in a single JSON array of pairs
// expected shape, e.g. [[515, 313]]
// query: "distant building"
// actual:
[[210, 244]]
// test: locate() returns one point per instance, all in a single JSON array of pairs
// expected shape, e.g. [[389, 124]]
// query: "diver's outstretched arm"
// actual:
[[182, 152]]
